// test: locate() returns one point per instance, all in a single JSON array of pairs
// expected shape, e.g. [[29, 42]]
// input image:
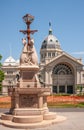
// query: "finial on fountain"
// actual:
[[28, 19]]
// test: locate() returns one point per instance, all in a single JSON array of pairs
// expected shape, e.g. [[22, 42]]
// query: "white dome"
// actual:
[[50, 42], [9, 61]]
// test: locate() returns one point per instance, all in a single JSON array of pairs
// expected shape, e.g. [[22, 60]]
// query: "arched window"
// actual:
[[62, 69]]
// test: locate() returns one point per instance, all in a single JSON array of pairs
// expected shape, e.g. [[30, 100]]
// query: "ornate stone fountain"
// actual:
[[29, 99]]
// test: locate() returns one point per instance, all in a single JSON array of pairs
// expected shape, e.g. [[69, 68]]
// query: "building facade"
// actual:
[[10, 68], [58, 69]]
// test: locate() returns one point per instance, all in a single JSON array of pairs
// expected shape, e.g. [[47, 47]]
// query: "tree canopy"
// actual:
[[1, 72]]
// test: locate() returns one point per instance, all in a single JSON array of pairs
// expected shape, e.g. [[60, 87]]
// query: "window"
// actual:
[[83, 75], [56, 40], [9, 72], [51, 40], [49, 54], [41, 55], [45, 55], [53, 54], [44, 41], [62, 69]]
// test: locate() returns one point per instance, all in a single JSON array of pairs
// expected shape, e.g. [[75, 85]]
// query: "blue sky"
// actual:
[[66, 16]]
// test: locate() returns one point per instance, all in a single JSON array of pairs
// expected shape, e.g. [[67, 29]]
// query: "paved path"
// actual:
[[75, 121]]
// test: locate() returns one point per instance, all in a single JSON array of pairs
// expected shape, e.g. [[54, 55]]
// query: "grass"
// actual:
[[81, 104], [60, 94], [66, 105]]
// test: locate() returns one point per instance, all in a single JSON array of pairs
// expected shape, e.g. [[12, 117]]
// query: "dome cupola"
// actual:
[[50, 48], [50, 42]]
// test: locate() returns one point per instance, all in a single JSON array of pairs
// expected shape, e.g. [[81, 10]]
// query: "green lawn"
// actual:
[[66, 105]]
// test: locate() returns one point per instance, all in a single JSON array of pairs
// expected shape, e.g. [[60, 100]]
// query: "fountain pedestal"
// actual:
[[28, 101]]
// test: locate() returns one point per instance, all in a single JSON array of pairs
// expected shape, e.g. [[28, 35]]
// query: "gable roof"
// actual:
[[64, 54], [10, 61]]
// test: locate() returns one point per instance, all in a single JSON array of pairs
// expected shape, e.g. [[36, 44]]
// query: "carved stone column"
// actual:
[[44, 101], [40, 101]]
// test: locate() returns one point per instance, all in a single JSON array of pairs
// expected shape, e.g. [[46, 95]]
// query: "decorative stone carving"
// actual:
[[29, 55], [27, 101]]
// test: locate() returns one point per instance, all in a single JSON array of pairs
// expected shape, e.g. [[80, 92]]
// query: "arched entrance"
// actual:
[[63, 78]]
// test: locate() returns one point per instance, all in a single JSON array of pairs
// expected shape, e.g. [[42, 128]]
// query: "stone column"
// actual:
[[16, 100], [45, 101], [12, 101], [58, 88], [66, 88], [40, 103], [46, 110], [46, 77]]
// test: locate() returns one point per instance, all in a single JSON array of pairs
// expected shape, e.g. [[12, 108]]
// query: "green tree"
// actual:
[[1, 74]]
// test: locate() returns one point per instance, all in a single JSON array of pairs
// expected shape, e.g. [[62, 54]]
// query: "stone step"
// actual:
[[49, 116], [29, 111], [32, 125], [28, 119], [6, 116]]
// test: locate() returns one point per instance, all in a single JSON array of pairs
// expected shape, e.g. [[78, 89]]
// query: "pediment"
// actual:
[[64, 57]]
